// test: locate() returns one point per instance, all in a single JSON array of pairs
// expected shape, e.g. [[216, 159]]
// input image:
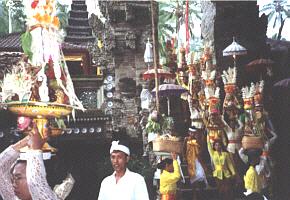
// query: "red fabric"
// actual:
[[187, 27], [168, 197]]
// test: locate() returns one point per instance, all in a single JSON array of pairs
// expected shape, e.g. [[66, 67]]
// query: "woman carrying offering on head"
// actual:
[[170, 175], [224, 170]]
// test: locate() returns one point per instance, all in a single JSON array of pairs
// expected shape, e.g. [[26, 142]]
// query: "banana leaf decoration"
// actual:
[[26, 39]]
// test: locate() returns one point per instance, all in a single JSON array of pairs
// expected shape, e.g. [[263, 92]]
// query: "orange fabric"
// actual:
[[192, 151], [168, 197]]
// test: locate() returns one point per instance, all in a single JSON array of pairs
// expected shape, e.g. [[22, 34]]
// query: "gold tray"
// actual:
[[39, 109]]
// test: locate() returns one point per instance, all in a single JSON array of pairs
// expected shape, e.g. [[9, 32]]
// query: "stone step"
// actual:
[[79, 39], [78, 22], [78, 14], [83, 28], [79, 33], [79, 1], [79, 6]]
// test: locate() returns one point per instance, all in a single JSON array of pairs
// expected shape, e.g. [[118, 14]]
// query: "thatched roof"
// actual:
[[12, 43]]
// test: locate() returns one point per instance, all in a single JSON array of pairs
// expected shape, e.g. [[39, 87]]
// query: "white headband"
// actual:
[[119, 147], [192, 129], [26, 155]]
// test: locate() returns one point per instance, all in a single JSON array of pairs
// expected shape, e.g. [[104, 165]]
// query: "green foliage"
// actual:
[[171, 17], [62, 14], [26, 39], [17, 15], [167, 122], [164, 124], [152, 127], [278, 13]]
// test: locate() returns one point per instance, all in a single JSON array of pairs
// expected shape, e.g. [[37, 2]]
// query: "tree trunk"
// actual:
[[280, 29]]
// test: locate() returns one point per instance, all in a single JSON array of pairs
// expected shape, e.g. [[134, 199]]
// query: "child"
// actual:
[[169, 177]]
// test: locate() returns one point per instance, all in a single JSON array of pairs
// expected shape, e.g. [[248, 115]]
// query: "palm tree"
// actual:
[[171, 17], [62, 14], [18, 17], [279, 11]]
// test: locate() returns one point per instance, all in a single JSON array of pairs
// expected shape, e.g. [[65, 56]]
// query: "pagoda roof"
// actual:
[[12, 43]]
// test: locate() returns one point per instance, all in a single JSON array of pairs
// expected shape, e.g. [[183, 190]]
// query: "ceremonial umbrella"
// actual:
[[234, 49], [259, 64], [285, 83], [167, 90], [150, 74]]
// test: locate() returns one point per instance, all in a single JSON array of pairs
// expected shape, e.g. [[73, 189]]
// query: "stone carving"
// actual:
[[130, 40], [97, 25], [109, 38]]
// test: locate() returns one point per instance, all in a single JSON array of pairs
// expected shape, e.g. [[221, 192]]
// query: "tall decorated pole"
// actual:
[[155, 55], [39, 86]]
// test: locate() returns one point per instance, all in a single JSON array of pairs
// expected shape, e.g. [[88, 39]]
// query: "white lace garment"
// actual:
[[35, 173]]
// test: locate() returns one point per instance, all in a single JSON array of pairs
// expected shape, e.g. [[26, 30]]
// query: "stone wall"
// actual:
[[124, 36]]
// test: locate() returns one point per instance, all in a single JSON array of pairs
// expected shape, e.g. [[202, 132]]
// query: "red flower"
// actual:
[[34, 4]]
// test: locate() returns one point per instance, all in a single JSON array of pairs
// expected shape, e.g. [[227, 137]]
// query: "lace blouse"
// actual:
[[35, 173]]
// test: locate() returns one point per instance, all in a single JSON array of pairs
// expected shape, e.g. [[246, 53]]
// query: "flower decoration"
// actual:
[[42, 13]]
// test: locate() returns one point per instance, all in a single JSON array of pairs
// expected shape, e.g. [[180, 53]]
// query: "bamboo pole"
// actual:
[[155, 56]]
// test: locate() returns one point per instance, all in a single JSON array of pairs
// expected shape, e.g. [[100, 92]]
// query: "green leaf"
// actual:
[[26, 39]]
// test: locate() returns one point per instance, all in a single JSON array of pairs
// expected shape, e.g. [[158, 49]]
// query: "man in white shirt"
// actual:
[[122, 184]]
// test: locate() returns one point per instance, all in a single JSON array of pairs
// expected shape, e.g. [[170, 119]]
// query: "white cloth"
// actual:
[[130, 187], [145, 98], [152, 136], [35, 174], [119, 147], [180, 169], [234, 137], [200, 174]]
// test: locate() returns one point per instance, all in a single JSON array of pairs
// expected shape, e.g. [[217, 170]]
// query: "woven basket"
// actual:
[[166, 145], [252, 142]]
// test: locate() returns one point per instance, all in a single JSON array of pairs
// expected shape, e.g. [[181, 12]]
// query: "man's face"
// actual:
[[19, 182], [193, 134], [119, 161]]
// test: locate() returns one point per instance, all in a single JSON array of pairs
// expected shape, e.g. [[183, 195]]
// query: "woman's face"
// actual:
[[169, 167], [232, 124], [19, 182], [217, 146]]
